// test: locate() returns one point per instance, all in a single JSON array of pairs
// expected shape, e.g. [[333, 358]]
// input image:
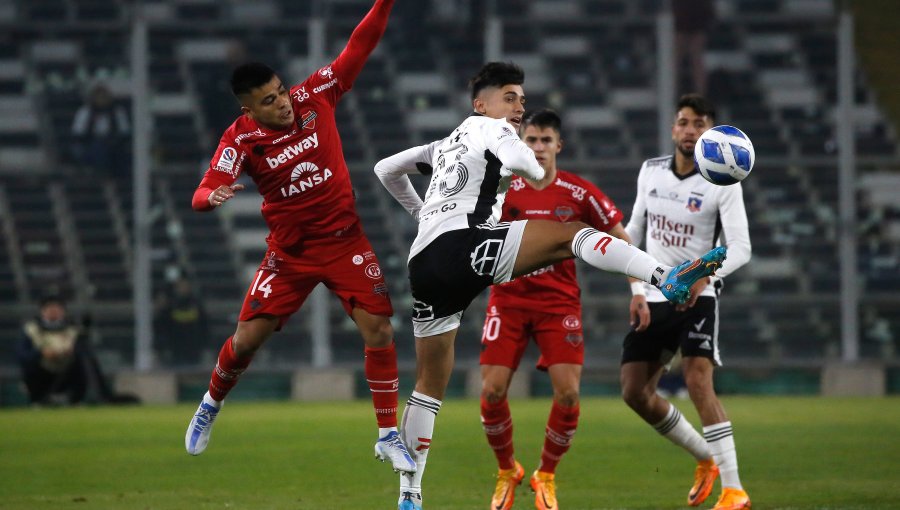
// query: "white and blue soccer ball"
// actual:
[[724, 155]]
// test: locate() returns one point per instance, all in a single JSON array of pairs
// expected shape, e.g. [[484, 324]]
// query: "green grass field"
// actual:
[[794, 453]]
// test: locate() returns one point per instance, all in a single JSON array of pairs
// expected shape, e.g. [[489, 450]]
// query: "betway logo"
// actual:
[[292, 151]]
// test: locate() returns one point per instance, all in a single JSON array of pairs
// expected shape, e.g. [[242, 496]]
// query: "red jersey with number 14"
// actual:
[[300, 171], [553, 289]]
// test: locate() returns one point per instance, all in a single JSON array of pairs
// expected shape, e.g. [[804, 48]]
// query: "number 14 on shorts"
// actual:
[[262, 286]]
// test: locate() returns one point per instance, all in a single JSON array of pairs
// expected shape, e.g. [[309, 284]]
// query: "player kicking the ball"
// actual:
[[462, 247], [287, 141]]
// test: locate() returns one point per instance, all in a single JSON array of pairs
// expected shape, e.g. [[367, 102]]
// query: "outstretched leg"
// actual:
[[234, 358]]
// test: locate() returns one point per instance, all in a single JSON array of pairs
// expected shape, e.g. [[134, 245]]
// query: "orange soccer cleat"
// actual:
[[505, 491], [544, 488], [732, 499], [704, 478]]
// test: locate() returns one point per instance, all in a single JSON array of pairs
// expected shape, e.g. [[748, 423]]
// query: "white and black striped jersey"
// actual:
[[470, 174], [682, 217]]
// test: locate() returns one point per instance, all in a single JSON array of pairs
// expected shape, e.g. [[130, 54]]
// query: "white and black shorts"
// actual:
[[695, 331], [451, 271]]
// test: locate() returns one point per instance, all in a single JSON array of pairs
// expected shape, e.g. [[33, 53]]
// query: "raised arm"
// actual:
[[515, 155], [363, 40]]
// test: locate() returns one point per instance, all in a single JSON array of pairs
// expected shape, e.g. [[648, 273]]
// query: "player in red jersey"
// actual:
[[545, 306], [288, 143]]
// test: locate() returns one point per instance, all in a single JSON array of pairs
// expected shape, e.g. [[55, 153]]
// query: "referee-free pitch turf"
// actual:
[[794, 453]]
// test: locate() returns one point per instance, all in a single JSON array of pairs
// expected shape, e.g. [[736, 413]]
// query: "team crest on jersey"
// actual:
[[564, 212], [693, 204], [517, 184], [326, 72], [373, 271], [307, 120], [571, 322]]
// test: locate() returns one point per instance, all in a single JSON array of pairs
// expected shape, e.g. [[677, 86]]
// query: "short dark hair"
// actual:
[[51, 299], [496, 74], [247, 77], [543, 118], [699, 104]]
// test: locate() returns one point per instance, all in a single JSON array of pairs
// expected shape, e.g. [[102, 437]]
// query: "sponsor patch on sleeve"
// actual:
[[227, 160]]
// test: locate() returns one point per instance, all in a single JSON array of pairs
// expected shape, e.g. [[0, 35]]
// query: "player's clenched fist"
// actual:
[[223, 193]]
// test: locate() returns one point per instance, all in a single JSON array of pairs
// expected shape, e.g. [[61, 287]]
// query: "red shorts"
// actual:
[[507, 332], [348, 268]]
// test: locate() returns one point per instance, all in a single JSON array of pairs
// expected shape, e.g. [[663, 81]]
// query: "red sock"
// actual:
[[381, 374], [561, 427], [228, 369], [498, 427]]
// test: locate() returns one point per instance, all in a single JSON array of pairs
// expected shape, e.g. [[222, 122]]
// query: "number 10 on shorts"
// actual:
[[263, 287]]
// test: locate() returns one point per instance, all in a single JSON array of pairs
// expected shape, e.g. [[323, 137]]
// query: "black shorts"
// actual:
[[450, 272], [695, 331]]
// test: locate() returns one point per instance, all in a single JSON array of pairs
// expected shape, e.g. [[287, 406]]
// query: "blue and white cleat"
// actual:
[[410, 501], [677, 287], [198, 431], [391, 448]]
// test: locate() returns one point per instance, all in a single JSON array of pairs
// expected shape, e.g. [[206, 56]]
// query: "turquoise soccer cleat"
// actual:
[[677, 287]]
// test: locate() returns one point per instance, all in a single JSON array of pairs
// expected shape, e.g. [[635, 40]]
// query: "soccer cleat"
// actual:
[[505, 491], [704, 478], [197, 436], [410, 501], [732, 499], [677, 287], [390, 447], [544, 488]]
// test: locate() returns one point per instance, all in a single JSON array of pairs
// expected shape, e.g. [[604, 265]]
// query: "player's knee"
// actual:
[[567, 397], [570, 229], [698, 382], [493, 393], [637, 398], [377, 332]]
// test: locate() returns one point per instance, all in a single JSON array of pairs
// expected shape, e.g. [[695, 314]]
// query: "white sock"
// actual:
[[416, 429], [678, 430], [213, 402], [609, 253], [721, 443]]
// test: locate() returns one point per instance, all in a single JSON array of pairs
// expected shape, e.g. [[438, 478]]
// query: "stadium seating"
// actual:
[[772, 74]]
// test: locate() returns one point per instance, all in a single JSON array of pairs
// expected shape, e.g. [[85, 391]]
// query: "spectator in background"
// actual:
[[182, 325], [693, 19], [52, 354], [102, 133]]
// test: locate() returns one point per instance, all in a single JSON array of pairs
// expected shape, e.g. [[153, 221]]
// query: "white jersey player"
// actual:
[[680, 215], [461, 247]]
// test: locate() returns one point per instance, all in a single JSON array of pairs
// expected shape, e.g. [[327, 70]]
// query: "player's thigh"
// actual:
[[565, 379], [659, 342], [278, 288], [699, 333], [449, 273], [559, 337], [544, 243], [354, 275], [504, 336]]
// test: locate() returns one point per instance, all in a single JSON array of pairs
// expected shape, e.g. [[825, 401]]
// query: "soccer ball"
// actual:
[[724, 155]]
